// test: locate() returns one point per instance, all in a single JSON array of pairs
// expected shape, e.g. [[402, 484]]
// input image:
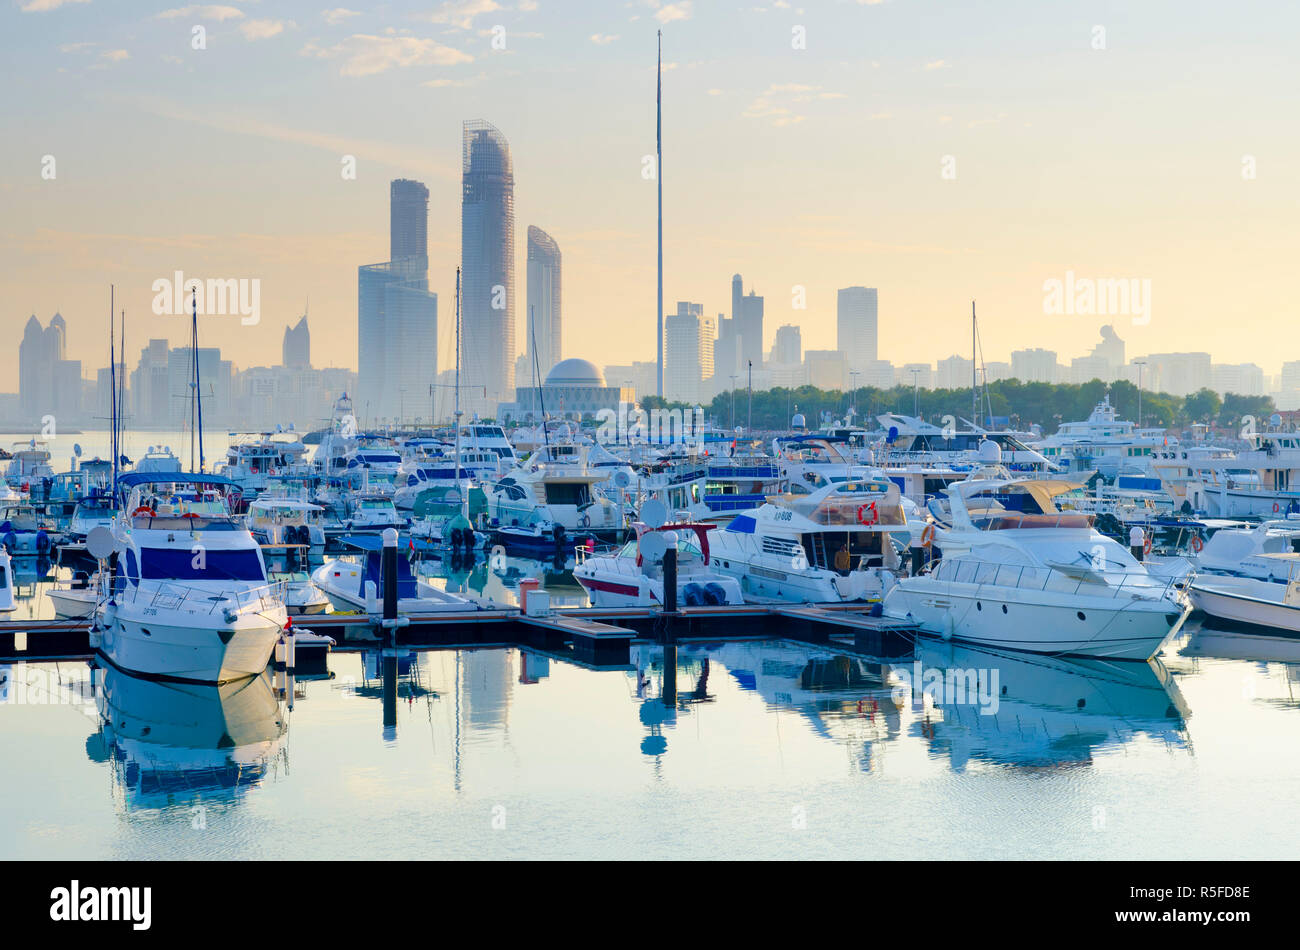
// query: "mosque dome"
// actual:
[[575, 372]]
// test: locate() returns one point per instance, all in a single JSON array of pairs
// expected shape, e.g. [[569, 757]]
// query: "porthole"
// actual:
[[1004, 608], [1081, 616], [978, 605]]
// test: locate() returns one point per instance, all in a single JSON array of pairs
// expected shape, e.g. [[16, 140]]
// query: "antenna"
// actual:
[[659, 180]]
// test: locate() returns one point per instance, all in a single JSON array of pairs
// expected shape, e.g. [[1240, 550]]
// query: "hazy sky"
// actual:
[[817, 167]]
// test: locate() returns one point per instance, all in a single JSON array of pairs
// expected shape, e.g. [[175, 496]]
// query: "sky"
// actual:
[[940, 152]]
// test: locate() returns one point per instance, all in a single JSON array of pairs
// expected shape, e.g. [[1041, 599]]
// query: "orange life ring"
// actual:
[[1146, 544], [871, 507], [144, 510], [1276, 508], [190, 514], [1197, 543], [927, 535]]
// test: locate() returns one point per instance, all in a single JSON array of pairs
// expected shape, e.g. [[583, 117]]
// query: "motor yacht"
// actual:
[[1018, 573], [279, 520], [357, 585], [554, 484], [190, 599], [7, 602]]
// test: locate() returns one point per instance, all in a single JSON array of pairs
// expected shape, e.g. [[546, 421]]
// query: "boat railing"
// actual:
[[1088, 583], [581, 552], [195, 600]]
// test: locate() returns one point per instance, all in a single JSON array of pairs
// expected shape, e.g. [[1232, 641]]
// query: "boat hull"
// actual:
[[207, 650], [1014, 619], [1238, 602]]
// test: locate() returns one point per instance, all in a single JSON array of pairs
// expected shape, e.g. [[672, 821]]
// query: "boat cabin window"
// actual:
[[568, 493], [211, 565]]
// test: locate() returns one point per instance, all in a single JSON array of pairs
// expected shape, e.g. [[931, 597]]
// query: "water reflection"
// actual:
[[1020, 710], [1260, 650], [1040, 712], [174, 744]]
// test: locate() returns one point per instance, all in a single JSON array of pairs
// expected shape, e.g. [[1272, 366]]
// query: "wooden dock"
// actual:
[[594, 635]]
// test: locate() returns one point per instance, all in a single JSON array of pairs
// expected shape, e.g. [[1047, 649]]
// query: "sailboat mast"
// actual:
[[659, 181], [112, 382], [974, 377]]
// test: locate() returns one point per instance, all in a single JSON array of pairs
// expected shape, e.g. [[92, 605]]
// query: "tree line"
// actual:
[[1022, 405]]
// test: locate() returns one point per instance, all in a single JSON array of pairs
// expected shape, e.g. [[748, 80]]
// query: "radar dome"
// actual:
[[990, 453]]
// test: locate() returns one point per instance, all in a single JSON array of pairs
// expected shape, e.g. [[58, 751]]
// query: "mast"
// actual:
[[659, 181], [198, 393], [974, 377], [464, 501], [112, 382], [537, 378]]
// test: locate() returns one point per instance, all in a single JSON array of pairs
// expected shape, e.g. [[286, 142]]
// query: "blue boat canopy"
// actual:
[[131, 479]]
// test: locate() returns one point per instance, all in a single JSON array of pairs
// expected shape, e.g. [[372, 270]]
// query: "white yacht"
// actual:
[[836, 544], [253, 459], [278, 520], [1023, 575], [1250, 600], [29, 463], [1104, 442], [1263, 481], [632, 574], [190, 598], [910, 439], [158, 458], [372, 511], [554, 484]]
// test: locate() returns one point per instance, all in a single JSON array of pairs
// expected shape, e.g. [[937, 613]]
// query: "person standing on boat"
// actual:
[[1137, 542]]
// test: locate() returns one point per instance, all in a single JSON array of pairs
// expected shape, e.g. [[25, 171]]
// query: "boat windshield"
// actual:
[[206, 565]]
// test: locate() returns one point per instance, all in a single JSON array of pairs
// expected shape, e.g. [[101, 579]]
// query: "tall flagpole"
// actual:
[[659, 178]]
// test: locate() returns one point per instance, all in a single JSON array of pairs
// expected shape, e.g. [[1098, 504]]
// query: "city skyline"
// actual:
[[867, 112]]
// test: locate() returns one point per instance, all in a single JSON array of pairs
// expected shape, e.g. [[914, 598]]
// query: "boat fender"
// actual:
[[42, 541], [719, 597]]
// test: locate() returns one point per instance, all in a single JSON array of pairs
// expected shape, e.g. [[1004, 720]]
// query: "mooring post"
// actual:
[[388, 579], [670, 593]]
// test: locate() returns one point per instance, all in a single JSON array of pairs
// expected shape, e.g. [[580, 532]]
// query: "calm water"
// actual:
[[759, 749]]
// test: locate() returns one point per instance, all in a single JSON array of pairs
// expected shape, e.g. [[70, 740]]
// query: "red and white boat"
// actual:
[[633, 575]]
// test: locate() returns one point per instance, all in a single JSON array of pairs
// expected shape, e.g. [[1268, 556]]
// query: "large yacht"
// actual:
[[1263, 481], [1106, 443], [1018, 573], [190, 598], [632, 574]]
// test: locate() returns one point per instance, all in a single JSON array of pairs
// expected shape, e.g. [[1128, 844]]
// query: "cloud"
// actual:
[[776, 102], [715, 92], [936, 64], [203, 12], [115, 55], [261, 29], [75, 47], [674, 11], [338, 15], [527, 6], [603, 39], [40, 6], [461, 13], [365, 54]]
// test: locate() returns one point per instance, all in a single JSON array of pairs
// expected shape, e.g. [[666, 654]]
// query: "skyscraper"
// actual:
[[487, 241], [408, 220], [296, 350], [750, 329], [544, 315], [856, 326], [397, 346], [688, 352], [397, 317]]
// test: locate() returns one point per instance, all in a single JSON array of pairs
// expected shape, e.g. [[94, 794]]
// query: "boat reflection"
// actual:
[[1226, 643], [1021, 711], [175, 743], [1037, 712]]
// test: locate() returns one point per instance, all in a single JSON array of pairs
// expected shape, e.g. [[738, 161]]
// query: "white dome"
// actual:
[[575, 372]]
